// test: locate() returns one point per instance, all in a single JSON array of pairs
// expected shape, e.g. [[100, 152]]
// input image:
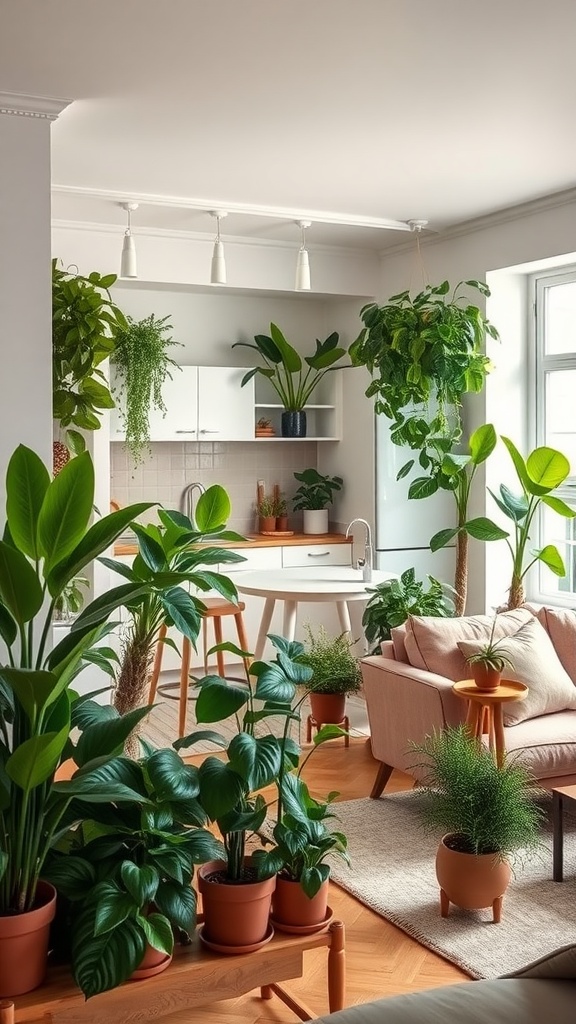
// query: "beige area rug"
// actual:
[[161, 726], [393, 873]]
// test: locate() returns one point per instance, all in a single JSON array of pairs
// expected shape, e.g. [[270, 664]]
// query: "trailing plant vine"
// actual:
[[142, 365]]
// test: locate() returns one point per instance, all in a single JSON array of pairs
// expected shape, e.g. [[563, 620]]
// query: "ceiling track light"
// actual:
[[128, 264], [218, 265], [303, 263]]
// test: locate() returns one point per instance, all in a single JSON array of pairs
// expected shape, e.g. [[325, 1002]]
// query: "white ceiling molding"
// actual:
[[247, 209], [22, 105]]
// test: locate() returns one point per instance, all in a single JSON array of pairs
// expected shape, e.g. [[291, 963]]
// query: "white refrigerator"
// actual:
[[405, 526]]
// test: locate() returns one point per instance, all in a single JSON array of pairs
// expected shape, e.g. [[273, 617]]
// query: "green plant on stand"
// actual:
[[142, 366], [394, 600]]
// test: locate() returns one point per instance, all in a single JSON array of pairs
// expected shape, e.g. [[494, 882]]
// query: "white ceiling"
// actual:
[[436, 109]]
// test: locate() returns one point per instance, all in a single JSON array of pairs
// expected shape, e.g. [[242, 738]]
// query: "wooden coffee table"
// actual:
[[563, 797], [485, 713], [195, 977]]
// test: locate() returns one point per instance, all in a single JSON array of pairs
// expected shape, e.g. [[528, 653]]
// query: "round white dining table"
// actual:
[[337, 584]]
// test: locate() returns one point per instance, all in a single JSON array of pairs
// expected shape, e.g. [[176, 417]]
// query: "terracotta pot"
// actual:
[[471, 881], [328, 708], [153, 962], [292, 907], [485, 677], [282, 523], [235, 915], [267, 524], [24, 944]]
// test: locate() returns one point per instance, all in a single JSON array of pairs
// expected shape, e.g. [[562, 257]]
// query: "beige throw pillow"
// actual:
[[536, 664], [431, 642]]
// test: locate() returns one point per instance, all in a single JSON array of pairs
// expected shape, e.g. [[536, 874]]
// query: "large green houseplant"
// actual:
[[85, 325], [47, 540], [394, 600], [335, 673], [293, 378], [425, 353], [141, 364]]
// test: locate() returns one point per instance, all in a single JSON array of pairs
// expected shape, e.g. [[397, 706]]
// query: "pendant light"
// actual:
[[128, 265], [303, 263], [218, 267]]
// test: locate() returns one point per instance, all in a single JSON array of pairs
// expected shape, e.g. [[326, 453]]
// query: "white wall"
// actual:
[[531, 234]]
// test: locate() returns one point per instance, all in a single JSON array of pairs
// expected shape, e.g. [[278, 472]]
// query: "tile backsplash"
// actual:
[[236, 465]]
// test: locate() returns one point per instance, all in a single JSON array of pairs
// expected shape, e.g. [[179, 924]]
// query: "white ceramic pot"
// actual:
[[316, 520]]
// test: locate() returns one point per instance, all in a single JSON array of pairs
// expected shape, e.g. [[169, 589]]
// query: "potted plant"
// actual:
[[128, 872], [264, 427], [293, 382], [489, 661], [394, 600], [142, 365], [266, 514], [315, 493], [302, 844], [281, 512], [236, 900], [488, 814], [335, 674], [47, 541], [172, 556], [85, 325]]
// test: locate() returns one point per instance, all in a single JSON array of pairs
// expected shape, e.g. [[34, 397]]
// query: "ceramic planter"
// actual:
[[293, 423], [24, 944], [282, 523], [267, 524], [315, 520], [471, 881], [485, 677], [328, 708], [293, 911], [236, 916]]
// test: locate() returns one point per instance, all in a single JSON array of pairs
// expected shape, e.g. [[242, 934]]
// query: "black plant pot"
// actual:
[[293, 424]]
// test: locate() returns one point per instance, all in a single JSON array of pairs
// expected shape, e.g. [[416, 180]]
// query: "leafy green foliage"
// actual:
[[423, 348], [47, 541], [334, 667], [394, 600], [284, 368], [142, 366], [85, 326], [129, 877], [490, 809], [316, 491]]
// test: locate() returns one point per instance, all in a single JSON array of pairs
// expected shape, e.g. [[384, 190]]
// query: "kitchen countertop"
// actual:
[[257, 540]]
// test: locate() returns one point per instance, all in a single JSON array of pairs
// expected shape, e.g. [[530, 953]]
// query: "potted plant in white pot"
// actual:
[[487, 812], [335, 674], [314, 495]]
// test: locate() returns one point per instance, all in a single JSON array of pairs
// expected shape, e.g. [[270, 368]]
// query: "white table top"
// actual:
[[326, 583]]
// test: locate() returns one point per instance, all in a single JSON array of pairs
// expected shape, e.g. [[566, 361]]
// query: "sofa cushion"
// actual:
[[536, 664], [432, 643], [545, 745], [398, 637], [560, 624]]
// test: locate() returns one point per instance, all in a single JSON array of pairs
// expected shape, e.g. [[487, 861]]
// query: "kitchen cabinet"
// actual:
[[203, 403]]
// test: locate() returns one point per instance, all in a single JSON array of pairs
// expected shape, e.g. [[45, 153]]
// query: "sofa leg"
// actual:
[[382, 776]]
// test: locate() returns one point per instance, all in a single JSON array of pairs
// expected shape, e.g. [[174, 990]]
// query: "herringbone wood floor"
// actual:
[[380, 959]]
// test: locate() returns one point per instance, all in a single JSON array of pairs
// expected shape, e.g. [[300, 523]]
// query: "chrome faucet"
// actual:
[[188, 506], [366, 563]]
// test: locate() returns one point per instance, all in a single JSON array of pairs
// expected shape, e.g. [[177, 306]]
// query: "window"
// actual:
[[555, 390]]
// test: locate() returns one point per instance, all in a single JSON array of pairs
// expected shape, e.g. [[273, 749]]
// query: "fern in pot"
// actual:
[[487, 812], [335, 674]]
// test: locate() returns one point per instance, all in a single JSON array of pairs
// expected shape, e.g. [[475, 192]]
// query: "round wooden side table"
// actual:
[[485, 711]]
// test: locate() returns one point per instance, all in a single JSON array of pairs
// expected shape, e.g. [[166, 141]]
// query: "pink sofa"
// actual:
[[406, 701]]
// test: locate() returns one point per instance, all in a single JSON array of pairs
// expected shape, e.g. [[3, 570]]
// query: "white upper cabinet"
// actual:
[[203, 403]]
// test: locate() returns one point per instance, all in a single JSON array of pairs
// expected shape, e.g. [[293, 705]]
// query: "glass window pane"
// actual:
[[562, 533], [561, 413], [560, 330]]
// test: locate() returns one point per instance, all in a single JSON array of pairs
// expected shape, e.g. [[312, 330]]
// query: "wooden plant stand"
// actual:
[[311, 724], [195, 977]]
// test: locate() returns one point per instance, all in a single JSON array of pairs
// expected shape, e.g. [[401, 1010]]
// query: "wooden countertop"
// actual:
[[256, 540]]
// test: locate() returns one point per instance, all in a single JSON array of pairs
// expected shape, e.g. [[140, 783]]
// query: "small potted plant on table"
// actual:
[[266, 514], [488, 812], [335, 674], [313, 496]]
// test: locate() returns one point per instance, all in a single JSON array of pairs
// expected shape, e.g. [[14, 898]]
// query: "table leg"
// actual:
[[472, 717], [558, 842], [499, 734], [336, 967], [289, 625], [264, 627], [344, 616]]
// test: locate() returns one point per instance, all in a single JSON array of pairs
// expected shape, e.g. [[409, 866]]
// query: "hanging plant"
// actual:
[[142, 366]]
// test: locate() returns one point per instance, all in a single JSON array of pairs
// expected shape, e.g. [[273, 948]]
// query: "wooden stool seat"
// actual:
[[216, 609]]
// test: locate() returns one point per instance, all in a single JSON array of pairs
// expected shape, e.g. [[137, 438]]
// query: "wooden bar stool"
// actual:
[[216, 609]]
